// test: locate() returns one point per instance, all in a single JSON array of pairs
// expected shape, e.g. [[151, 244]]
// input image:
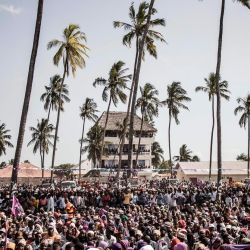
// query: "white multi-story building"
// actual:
[[112, 141]]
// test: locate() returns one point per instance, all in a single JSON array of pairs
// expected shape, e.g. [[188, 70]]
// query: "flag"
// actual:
[[16, 209]]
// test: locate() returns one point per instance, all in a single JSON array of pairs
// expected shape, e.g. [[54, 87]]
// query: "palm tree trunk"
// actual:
[[169, 144], [139, 142], [80, 158], [128, 110], [137, 76], [211, 141], [27, 92], [217, 74], [248, 146], [58, 120], [42, 161], [104, 130]]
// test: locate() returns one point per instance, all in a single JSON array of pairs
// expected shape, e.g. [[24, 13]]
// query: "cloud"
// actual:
[[10, 9]]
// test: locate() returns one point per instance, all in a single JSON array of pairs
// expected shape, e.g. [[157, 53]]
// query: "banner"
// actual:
[[16, 209]]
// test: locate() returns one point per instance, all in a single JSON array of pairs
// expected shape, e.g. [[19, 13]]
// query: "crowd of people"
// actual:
[[154, 216]]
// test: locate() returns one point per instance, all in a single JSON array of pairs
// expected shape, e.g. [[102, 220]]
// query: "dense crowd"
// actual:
[[156, 215]]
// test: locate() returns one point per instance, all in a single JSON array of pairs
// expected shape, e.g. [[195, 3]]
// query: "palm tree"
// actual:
[[27, 93], [140, 29], [195, 158], [184, 154], [176, 95], [148, 104], [217, 76], [41, 138], [4, 139], [157, 153], [87, 111], [244, 109], [52, 93], [114, 88], [94, 144], [242, 157], [72, 51], [210, 89]]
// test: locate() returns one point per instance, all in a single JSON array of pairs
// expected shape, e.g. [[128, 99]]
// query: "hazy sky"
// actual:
[[190, 55]]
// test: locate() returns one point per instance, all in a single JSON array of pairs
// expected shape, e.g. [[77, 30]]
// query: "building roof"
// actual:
[[25, 170], [202, 168], [118, 117]]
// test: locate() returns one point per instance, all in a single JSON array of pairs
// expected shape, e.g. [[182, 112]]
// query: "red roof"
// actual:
[[25, 170]]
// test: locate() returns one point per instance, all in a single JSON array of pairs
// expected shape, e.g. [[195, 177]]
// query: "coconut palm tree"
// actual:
[[210, 89], [245, 3], [140, 29], [242, 157], [114, 87], [27, 93], [4, 139], [176, 96], [87, 111], [244, 110], [94, 144], [157, 153], [41, 138], [52, 93], [148, 104], [185, 154], [72, 52]]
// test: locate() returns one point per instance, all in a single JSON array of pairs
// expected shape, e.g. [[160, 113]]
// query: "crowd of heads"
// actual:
[[157, 215]]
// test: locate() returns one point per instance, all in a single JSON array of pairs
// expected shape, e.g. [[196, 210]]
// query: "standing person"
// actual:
[[51, 203], [70, 209]]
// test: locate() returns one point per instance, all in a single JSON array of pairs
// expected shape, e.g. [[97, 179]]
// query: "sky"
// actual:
[[189, 56]]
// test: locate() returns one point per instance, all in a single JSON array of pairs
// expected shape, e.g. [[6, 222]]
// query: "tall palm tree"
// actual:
[[87, 111], [244, 109], [157, 153], [148, 104], [27, 93], [4, 139], [72, 51], [176, 96], [114, 87], [52, 93], [210, 89], [94, 144], [245, 3], [141, 28], [41, 138]]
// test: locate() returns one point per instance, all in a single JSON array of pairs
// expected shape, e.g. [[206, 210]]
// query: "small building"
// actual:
[[112, 141], [27, 173], [193, 171]]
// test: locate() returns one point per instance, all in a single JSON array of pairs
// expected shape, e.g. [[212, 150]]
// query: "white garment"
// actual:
[[147, 247]]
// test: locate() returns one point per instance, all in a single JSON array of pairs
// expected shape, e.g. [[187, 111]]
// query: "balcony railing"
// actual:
[[141, 152]]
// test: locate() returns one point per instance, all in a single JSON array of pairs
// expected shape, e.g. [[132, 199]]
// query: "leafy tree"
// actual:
[[148, 104], [157, 153], [176, 96], [114, 87], [72, 51], [64, 170], [52, 97], [244, 110], [185, 154], [4, 139], [3, 164], [195, 158], [217, 76], [242, 157], [27, 93], [41, 139], [26, 161], [94, 144], [140, 29], [87, 111], [210, 89]]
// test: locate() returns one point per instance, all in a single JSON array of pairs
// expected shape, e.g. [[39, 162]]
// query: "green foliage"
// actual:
[[242, 157], [157, 153], [72, 49], [185, 155], [176, 95], [115, 85], [138, 22], [244, 108], [4, 139], [88, 110], [64, 170], [52, 96]]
